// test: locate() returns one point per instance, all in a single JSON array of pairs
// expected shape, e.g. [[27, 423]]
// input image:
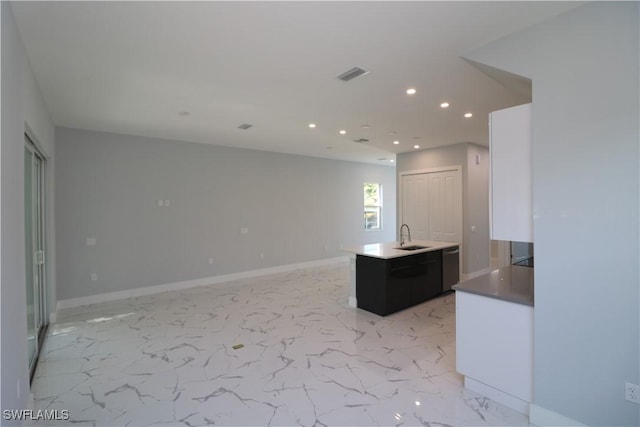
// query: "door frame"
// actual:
[[455, 168], [41, 232]]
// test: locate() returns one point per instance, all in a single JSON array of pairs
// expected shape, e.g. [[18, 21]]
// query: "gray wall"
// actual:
[[22, 110], [436, 157], [476, 252], [585, 67], [296, 209]]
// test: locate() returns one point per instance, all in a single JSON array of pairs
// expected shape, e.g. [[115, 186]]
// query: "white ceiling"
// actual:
[[132, 67]]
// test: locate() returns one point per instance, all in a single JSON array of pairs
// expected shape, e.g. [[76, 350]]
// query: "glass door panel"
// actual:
[[39, 241], [32, 338], [34, 225]]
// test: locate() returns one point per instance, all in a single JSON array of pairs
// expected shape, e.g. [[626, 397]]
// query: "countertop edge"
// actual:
[[521, 301], [388, 251], [510, 284]]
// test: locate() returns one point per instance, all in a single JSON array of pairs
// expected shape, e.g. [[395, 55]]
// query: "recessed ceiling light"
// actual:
[[444, 105], [411, 91], [396, 142], [342, 132], [467, 115], [245, 126], [183, 113], [392, 161], [365, 126], [416, 146], [312, 125]]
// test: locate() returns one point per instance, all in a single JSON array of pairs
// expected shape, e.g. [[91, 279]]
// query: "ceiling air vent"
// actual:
[[352, 74], [245, 126], [361, 140]]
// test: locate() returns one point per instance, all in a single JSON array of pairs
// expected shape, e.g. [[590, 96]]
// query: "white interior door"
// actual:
[[443, 215], [415, 192], [432, 205]]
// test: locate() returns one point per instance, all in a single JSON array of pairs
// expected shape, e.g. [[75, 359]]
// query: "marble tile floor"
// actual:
[[308, 359]]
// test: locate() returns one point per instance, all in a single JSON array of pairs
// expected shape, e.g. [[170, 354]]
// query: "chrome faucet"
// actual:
[[402, 235]]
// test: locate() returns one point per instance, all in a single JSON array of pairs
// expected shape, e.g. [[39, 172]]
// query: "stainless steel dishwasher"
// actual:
[[450, 267]]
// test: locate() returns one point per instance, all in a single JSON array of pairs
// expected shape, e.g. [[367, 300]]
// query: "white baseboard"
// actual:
[[542, 417], [476, 274], [177, 286], [52, 318], [497, 395], [353, 302]]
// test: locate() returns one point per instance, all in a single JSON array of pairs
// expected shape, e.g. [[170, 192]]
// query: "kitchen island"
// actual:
[[494, 335], [388, 277]]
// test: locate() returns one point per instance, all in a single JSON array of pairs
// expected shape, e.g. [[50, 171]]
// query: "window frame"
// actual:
[[372, 208]]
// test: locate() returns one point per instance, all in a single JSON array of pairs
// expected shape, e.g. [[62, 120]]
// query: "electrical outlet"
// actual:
[[94, 277], [210, 261], [632, 392]]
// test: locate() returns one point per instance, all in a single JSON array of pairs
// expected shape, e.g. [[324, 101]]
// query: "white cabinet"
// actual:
[[511, 180], [494, 349]]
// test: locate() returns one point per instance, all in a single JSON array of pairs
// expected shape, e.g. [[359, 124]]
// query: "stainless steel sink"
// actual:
[[412, 248]]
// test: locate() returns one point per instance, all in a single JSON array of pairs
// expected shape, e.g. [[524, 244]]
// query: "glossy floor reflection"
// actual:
[[307, 359]]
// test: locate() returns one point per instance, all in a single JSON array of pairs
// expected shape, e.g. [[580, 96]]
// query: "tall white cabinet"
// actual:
[[511, 179]]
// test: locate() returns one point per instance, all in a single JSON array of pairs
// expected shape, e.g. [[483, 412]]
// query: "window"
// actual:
[[372, 206]]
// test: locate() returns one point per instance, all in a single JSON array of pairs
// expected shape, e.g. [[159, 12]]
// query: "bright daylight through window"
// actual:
[[372, 206]]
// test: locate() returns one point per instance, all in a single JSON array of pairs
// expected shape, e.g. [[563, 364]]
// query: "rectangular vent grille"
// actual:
[[245, 126], [361, 140], [352, 74]]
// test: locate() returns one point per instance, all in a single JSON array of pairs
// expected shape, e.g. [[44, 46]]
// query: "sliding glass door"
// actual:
[[34, 224]]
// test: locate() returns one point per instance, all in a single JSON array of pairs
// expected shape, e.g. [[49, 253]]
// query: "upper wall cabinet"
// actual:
[[511, 180]]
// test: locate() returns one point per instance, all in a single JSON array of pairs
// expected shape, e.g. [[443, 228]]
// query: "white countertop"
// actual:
[[389, 249]]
